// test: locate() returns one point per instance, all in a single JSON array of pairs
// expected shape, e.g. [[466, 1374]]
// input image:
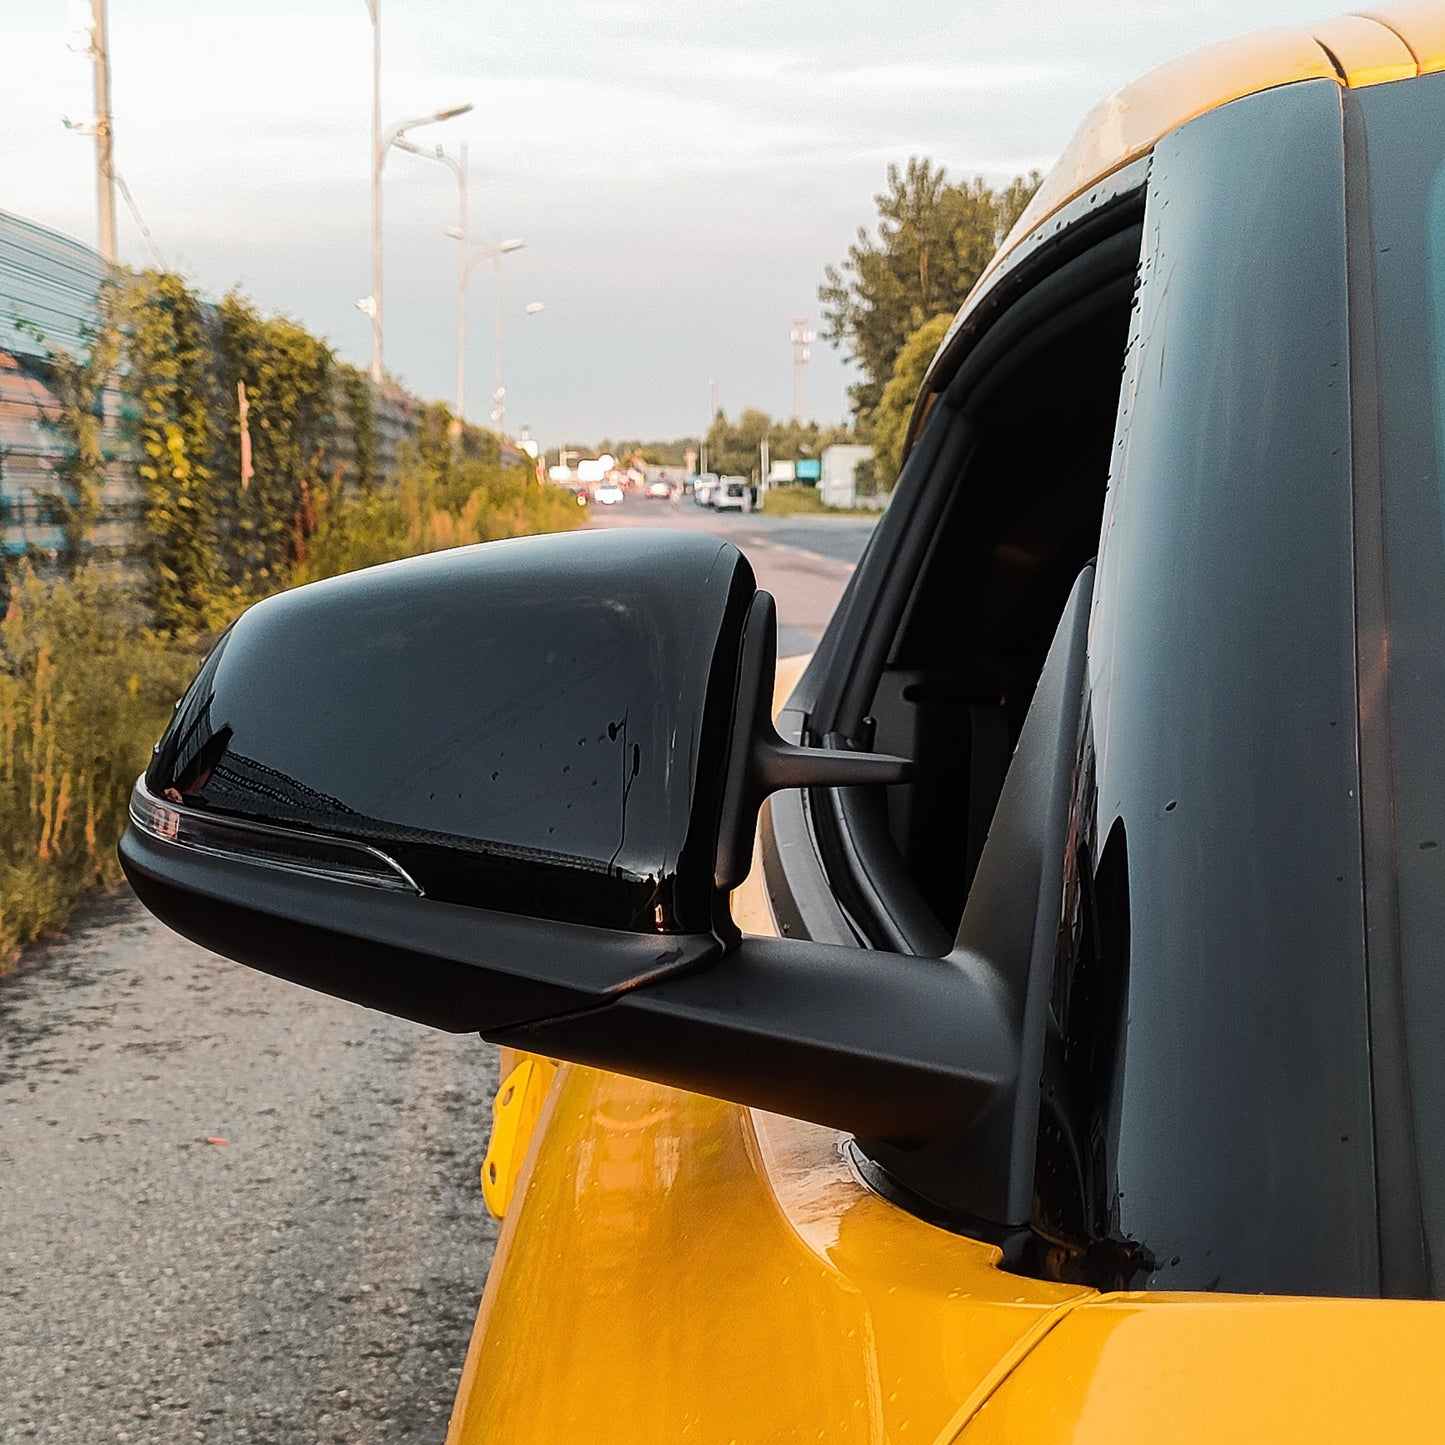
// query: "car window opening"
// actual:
[[1022, 520]]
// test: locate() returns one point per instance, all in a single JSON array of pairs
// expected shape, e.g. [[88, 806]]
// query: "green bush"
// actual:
[[441, 501], [803, 499], [85, 688]]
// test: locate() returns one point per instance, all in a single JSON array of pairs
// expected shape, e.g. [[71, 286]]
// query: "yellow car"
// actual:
[[1081, 994]]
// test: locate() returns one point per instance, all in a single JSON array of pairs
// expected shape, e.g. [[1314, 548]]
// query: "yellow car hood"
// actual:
[[1191, 1368]]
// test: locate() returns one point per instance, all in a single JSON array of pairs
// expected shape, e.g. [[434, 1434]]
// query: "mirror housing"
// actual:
[[507, 789]]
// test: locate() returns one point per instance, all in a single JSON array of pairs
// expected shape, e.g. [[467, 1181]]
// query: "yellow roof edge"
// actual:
[[1420, 27], [1364, 48], [1365, 51], [1127, 124]]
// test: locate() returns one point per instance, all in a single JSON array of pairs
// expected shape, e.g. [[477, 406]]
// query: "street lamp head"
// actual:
[[455, 232], [513, 245], [452, 111], [533, 307]]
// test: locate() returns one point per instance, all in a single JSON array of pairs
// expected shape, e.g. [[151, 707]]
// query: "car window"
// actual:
[[1018, 519]]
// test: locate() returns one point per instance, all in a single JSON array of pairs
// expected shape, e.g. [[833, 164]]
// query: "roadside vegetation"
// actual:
[[95, 649], [85, 688], [803, 500]]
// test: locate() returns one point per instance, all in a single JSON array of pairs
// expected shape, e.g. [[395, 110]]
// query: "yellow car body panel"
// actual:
[[1190, 1369], [526, 1082], [616, 1310]]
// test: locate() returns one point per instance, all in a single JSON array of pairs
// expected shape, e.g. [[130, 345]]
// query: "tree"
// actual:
[[889, 419], [933, 241], [735, 449], [170, 379]]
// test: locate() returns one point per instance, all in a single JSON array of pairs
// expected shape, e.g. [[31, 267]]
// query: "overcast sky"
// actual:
[[681, 170]]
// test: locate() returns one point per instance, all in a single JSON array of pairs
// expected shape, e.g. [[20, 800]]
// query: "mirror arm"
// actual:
[[768, 764], [911, 1050]]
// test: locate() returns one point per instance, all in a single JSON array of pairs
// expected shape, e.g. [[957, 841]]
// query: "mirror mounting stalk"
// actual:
[[768, 764]]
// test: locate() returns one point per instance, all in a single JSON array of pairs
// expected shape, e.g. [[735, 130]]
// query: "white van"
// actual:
[[733, 495]]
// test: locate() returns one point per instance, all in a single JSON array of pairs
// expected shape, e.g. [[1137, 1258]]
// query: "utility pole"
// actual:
[[463, 268], [802, 339], [499, 395], [377, 157], [104, 159]]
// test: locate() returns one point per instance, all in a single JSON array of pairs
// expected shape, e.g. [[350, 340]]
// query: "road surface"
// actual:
[[803, 561], [234, 1210]]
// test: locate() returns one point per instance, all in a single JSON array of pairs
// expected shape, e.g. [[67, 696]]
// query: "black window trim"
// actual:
[[858, 865]]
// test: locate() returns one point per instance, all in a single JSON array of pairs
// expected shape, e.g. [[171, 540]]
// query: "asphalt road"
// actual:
[[235, 1210], [804, 561]]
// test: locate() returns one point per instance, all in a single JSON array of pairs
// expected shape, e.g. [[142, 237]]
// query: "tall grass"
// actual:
[[794, 501], [85, 688], [439, 502]]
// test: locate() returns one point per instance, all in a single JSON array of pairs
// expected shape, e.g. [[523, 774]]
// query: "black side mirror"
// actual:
[[507, 789]]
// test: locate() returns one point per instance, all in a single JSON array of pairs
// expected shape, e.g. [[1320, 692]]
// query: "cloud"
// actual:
[[664, 161], [912, 79]]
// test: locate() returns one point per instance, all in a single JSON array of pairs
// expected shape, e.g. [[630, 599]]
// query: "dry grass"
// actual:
[[85, 689]]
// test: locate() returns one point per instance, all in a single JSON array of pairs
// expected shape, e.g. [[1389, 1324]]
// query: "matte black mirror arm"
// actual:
[[909, 1050], [764, 763], [985, 1170]]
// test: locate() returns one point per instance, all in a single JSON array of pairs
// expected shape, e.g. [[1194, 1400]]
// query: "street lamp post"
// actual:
[[458, 167], [381, 142], [469, 258], [462, 269], [499, 394], [374, 7]]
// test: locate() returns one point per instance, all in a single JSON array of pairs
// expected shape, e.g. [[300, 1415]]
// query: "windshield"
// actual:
[[1405, 133]]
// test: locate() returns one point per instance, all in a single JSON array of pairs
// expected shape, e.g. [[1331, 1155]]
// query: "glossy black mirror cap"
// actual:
[[540, 726]]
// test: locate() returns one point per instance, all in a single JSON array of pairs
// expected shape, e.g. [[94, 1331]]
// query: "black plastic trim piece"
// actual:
[[904, 1049], [1404, 1263], [465, 970], [1112, 203], [986, 1171], [802, 899], [766, 763]]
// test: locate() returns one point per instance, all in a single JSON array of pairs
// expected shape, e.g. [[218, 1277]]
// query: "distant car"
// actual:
[[658, 490], [704, 489], [732, 495], [607, 494]]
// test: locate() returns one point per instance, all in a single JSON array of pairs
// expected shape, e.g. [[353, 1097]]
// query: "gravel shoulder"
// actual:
[[314, 1278]]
